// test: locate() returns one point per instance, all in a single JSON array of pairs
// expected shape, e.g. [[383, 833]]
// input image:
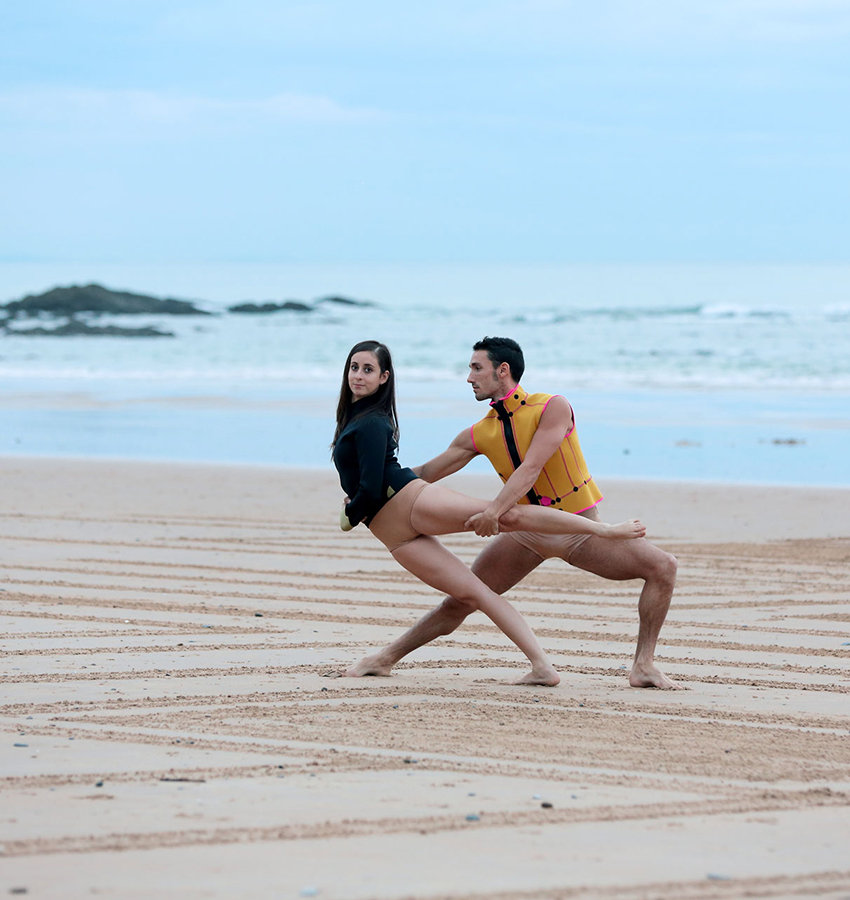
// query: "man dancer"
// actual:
[[531, 441]]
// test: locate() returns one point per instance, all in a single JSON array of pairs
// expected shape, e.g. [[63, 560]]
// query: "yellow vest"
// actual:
[[504, 436]]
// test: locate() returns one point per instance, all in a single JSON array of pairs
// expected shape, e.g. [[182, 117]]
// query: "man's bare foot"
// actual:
[[545, 677], [652, 677], [369, 665]]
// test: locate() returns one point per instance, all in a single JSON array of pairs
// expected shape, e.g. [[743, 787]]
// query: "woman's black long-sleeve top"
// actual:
[[364, 456]]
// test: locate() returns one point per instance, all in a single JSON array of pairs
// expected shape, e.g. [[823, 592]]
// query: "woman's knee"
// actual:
[[464, 598]]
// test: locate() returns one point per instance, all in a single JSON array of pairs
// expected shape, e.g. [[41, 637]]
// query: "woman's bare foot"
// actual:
[[545, 676], [369, 665], [652, 677], [627, 531]]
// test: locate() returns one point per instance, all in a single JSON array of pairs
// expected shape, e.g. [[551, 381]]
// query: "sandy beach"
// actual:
[[174, 723]]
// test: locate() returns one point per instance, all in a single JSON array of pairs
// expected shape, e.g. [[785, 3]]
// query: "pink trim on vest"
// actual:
[[551, 485], [575, 459], [494, 402], [546, 404], [566, 467], [590, 507]]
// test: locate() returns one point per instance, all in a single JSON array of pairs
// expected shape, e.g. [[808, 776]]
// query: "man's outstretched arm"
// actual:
[[452, 459], [555, 423]]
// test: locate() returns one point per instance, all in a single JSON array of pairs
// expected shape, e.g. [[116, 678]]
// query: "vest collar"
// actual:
[[511, 402]]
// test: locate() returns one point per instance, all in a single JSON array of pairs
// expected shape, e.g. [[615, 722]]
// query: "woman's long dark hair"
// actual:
[[382, 401]]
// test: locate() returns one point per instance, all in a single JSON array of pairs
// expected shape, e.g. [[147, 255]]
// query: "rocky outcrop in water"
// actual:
[[94, 300], [261, 308], [97, 300], [295, 305], [75, 328], [344, 301]]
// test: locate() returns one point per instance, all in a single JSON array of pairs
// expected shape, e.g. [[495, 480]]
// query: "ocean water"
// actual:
[[713, 373]]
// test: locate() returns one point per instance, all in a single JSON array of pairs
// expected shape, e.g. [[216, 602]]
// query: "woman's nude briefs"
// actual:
[[392, 523]]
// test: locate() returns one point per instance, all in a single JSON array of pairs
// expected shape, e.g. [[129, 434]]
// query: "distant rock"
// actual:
[[75, 328], [96, 299], [344, 301], [295, 305], [263, 308]]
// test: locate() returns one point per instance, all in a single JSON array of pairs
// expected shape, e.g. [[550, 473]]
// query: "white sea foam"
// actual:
[[675, 327], [722, 346], [726, 361]]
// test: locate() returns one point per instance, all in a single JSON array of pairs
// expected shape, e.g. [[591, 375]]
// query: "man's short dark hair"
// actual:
[[501, 349]]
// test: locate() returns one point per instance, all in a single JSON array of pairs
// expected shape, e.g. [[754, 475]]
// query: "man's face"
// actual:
[[483, 378]]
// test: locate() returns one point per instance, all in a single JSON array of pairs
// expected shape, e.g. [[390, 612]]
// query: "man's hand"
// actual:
[[484, 524]]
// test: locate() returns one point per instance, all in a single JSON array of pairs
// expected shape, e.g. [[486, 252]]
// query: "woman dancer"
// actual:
[[404, 512]]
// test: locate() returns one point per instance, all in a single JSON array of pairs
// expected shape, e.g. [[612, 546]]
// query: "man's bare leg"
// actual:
[[500, 565], [637, 559], [431, 562], [441, 620]]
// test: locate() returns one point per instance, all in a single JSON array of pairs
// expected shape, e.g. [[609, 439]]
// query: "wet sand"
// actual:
[[173, 723]]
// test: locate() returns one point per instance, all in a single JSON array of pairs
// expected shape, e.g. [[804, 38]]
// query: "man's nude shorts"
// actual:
[[392, 525], [555, 546]]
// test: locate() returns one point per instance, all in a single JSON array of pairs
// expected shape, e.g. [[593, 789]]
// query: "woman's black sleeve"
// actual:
[[370, 440]]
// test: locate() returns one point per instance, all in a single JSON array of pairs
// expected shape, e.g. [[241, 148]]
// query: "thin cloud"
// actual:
[[113, 110], [507, 22], [658, 22]]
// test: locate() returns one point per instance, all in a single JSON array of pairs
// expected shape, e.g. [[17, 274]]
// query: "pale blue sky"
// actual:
[[537, 131]]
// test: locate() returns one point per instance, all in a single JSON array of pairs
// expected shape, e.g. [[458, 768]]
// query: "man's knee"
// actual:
[[458, 608], [662, 568], [510, 520]]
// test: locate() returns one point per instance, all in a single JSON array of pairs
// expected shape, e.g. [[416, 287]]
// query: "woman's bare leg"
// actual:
[[500, 565], [427, 559], [440, 510]]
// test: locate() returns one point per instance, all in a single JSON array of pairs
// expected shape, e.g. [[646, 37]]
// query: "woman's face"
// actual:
[[365, 375]]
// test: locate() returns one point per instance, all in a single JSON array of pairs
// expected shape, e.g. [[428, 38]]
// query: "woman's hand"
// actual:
[[344, 524], [626, 531]]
